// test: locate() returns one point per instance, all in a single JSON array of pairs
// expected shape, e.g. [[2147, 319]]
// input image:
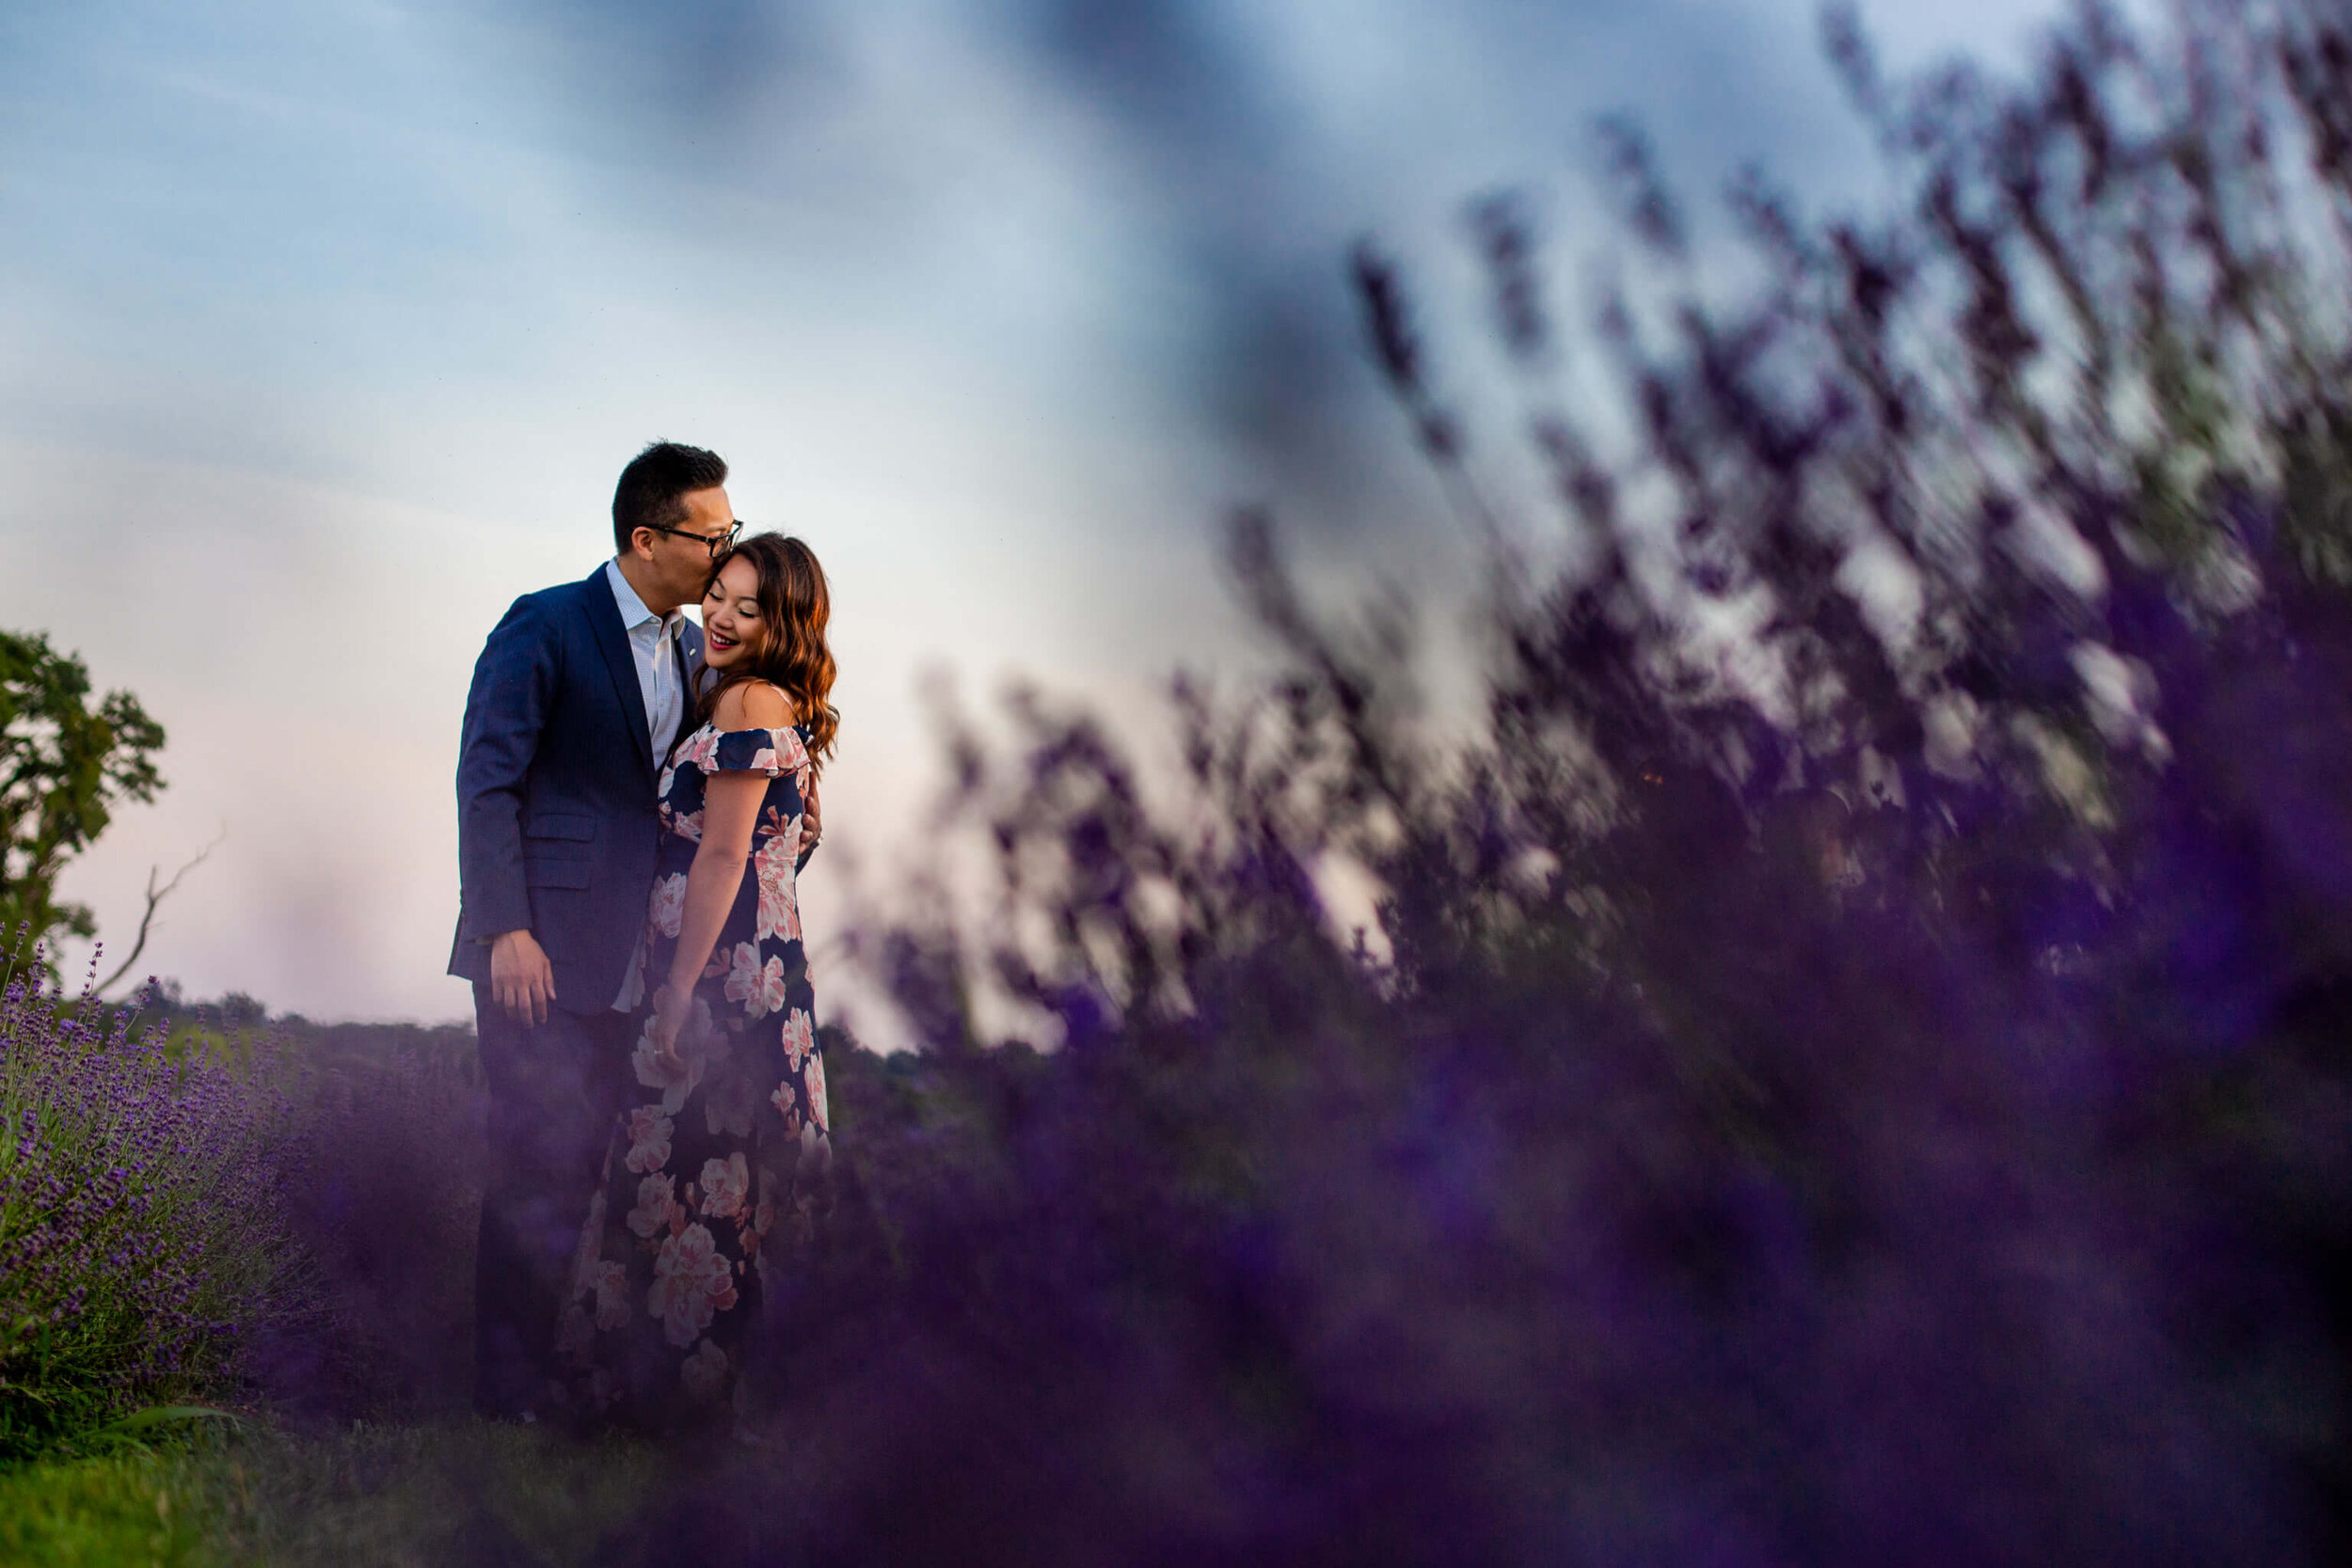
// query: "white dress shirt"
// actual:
[[653, 644], [661, 681]]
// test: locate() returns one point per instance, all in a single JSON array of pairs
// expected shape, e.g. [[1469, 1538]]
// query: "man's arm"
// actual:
[[514, 684]]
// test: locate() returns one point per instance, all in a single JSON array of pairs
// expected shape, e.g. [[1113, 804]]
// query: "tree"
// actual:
[[66, 760]]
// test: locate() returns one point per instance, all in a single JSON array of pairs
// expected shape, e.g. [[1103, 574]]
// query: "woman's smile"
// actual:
[[730, 611]]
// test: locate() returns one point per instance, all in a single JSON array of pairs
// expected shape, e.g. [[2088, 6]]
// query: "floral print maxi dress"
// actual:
[[723, 1165]]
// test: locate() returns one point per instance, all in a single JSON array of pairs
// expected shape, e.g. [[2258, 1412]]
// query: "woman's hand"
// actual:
[[670, 1006]]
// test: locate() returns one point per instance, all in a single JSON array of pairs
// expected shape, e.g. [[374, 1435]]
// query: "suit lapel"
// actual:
[[604, 616], [690, 638]]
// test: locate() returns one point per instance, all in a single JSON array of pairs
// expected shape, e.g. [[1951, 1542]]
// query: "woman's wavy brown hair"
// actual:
[[794, 607]]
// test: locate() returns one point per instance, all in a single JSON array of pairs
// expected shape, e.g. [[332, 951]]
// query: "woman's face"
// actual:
[[732, 630]]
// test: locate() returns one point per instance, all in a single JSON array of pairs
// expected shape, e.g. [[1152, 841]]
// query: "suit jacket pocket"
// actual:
[[554, 873], [560, 825]]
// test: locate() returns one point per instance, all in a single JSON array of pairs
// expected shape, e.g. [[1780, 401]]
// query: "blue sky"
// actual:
[[325, 328]]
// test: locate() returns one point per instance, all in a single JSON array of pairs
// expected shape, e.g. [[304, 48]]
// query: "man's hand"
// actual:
[[522, 978]]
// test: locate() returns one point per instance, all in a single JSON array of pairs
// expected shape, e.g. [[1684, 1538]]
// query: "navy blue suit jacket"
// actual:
[[556, 813]]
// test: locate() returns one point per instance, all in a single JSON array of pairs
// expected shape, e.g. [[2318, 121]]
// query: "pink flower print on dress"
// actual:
[[759, 989], [657, 1199], [692, 1281], [705, 1372], [724, 1184], [799, 1039], [764, 1212], [700, 751], [688, 827], [669, 904], [770, 995], [782, 754], [773, 823], [610, 1280], [742, 971], [791, 754], [779, 902], [648, 1139]]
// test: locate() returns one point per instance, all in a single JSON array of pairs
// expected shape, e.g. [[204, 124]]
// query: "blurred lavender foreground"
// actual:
[[1867, 1085], [1853, 1066]]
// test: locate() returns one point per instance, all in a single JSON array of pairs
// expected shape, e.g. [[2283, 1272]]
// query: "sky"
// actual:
[[326, 327]]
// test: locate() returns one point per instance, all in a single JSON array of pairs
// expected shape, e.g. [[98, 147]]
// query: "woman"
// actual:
[[725, 1162]]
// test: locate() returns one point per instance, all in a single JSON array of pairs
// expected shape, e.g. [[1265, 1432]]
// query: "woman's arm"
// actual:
[[731, 804], [731, 810]]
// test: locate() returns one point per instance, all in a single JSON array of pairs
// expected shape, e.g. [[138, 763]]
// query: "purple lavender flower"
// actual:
[[129, 1268]]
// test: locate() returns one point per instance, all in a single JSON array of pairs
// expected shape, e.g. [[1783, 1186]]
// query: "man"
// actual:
[[576, 699]]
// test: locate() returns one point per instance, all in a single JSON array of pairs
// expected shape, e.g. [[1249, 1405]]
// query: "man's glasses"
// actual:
[[718, 543]]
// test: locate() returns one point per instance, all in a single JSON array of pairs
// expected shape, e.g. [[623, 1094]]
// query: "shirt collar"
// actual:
[[633, 610]]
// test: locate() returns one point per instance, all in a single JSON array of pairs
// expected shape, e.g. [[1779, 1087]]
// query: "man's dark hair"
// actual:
[[652, 488]]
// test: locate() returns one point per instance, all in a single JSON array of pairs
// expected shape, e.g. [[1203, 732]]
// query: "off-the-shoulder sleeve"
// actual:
[[769, 752]]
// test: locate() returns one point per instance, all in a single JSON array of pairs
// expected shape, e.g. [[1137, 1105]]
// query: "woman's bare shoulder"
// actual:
[[753, 705]]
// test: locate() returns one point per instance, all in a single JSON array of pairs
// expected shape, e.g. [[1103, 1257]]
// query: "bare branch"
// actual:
[[155, 895]]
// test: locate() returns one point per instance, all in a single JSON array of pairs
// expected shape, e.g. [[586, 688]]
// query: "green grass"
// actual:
[[391, 1495], [128, 1508]]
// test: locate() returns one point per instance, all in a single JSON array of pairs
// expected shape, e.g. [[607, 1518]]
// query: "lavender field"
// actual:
[[1851, 1066]]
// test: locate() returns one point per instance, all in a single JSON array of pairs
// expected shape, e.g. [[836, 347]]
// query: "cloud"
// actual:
[[323, 329]]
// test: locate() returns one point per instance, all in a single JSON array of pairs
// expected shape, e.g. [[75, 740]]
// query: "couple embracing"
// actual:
[[636, 795]]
